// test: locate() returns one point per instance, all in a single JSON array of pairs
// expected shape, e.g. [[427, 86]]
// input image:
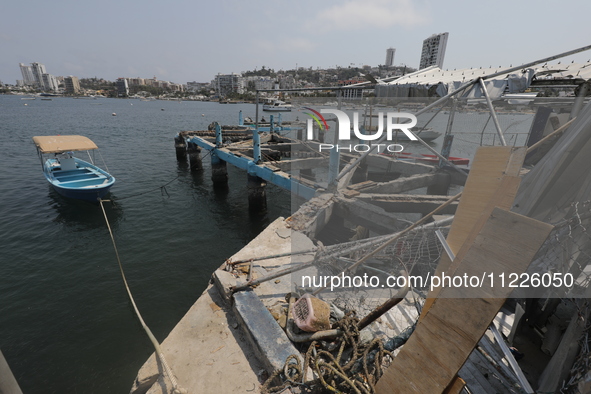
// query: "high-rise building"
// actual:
[[122, 87], [433, 51], [72, 85], [390, 57], [225, 84], [50, 82], [27, 72], [38, 71]]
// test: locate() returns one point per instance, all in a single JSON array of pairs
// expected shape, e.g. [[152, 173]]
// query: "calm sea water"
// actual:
[[66, 325]]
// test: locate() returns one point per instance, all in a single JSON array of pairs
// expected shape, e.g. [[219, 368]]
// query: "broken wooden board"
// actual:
[[489, 166], [493, 182], [457, 319]]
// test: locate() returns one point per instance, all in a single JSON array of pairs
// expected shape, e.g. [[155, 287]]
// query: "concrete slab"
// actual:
[[268, 339], [208, 350], [203, 350]]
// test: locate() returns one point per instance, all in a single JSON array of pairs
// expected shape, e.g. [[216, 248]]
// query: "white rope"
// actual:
[[158, 350]]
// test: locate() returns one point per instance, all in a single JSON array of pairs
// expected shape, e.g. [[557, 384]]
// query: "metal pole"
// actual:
[[271, 120], [452, 114], [335, 156], [511, 360], [342, 252], [218, 135], [385, 307], [256, 119], [256, 141], [492, 112], [484, 128]]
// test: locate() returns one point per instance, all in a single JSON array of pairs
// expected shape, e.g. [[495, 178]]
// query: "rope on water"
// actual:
[[161, 188], [158, 350]]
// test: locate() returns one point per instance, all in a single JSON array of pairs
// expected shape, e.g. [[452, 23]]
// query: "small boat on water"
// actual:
[[70, 176], [277, 106], [426, 135]]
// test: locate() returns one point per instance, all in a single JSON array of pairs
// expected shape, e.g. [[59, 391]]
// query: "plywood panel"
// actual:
[[487, 187], [452, 327], [490, 165]]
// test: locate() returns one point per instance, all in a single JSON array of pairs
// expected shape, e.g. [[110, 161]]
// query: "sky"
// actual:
[[182, 41]]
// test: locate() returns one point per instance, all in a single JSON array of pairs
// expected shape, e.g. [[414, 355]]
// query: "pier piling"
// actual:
[[194, 156], [219, 171], [180, 145], [441, 185], [257, 195]]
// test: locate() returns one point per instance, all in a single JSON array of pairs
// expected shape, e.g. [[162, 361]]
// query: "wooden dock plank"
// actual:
[[452, 327]]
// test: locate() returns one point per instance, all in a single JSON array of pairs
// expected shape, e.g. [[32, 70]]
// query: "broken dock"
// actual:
[[519, 209]]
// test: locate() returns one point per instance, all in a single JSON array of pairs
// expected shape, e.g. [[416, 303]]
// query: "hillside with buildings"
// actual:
[[237, 86]]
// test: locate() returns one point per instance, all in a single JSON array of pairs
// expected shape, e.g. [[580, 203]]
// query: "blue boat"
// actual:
[[70, 176]]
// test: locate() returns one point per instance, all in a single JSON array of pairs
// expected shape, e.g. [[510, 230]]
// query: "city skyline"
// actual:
[[183, 42]]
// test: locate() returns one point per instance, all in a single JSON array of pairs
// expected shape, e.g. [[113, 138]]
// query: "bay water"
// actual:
[[66, 324]]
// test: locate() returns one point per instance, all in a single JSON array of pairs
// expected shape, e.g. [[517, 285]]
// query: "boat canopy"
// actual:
[[63, 143]]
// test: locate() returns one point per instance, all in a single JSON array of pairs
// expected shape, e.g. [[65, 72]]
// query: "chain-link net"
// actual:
[[379, 278]]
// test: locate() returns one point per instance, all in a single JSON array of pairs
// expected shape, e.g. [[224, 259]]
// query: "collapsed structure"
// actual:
[[520, 218]]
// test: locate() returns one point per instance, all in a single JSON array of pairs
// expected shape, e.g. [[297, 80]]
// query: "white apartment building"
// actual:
[[27, 72], [390, 57], [49, 82], [38, 71], [433, 51], [225, 84]]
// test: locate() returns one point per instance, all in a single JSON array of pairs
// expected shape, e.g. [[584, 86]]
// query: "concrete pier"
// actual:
[[8, 383], [217, 346]]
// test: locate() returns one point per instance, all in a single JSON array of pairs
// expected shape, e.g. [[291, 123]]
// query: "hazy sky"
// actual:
[[182, 41]]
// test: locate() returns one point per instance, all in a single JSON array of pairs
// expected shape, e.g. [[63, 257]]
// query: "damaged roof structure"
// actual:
[[433, 80]]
